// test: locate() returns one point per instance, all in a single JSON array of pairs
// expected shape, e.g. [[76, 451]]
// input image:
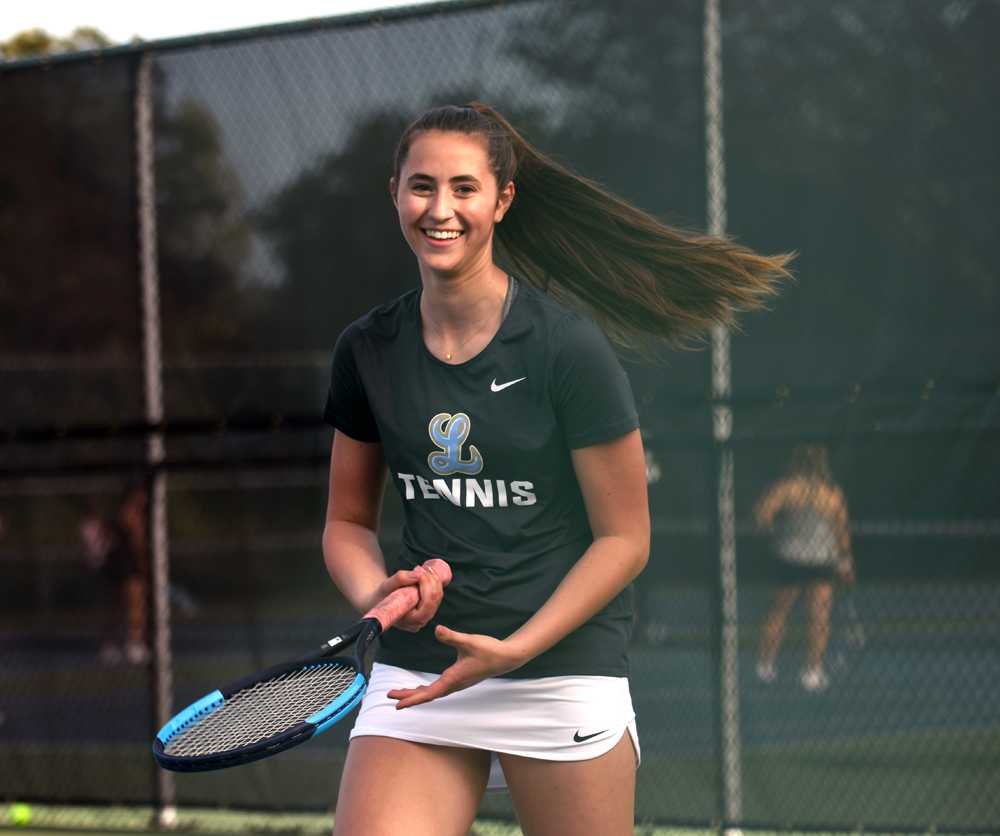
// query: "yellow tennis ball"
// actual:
[[20, 814]]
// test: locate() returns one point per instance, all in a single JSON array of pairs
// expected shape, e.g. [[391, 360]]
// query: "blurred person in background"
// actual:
[[3, 716], [116, 548], [805, 515]]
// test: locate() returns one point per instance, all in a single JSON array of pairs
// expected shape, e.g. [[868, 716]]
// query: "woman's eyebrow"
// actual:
[[459, 178]]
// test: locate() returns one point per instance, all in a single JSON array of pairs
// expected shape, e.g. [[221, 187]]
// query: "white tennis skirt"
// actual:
[[557, 718]]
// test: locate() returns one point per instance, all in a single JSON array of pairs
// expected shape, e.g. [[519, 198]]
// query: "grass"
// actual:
[[119, 821], [59, 820]]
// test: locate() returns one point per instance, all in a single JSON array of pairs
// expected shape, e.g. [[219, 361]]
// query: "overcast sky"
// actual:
[[151, 21]]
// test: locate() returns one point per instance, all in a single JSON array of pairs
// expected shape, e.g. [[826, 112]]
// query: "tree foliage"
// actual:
[[34, 43], [69, 238]]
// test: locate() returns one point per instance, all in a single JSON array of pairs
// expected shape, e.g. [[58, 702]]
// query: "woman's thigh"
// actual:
[[596, 796], [394, 786], [821, 598]]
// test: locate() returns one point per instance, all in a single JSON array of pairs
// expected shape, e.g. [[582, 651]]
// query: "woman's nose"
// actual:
[[440, 208]]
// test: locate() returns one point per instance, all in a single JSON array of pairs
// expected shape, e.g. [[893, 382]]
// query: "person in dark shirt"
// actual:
[[115, 547], [491, 399]]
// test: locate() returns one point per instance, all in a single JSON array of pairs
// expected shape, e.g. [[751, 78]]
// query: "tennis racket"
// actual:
[[287, 704], [849, 636]]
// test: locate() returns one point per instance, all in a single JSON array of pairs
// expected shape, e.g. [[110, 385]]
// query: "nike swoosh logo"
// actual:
[[499, 387], [580, 738]]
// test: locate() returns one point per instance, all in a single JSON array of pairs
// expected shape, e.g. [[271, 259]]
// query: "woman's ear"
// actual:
[[504, 200], [392, 192]]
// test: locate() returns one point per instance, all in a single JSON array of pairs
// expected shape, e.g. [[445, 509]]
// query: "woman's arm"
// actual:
[[770, 503], [351, 550], [845, 566], [612, 478]]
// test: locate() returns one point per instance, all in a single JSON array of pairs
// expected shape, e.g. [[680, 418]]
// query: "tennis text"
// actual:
[[471, 493]]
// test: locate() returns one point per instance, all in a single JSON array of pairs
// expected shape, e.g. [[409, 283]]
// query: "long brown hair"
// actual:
[[637, 277]]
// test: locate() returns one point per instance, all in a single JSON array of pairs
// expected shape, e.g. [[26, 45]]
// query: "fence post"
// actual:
[[166, 795], [722, 423]]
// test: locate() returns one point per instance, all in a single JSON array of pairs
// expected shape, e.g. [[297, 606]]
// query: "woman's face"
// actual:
[[448, 202]]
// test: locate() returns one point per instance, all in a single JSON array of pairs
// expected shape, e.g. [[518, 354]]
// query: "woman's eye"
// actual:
[[466, 190]]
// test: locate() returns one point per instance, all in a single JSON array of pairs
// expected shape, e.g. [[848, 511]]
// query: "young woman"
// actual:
[[805, 514], [502, 417]]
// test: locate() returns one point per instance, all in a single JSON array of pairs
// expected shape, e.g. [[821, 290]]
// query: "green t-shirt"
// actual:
[[479, 453]]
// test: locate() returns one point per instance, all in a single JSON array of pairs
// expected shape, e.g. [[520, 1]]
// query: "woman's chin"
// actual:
[[442, 266]]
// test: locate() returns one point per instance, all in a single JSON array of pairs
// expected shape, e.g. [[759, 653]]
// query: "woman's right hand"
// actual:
[[845, 571], [429, 587]]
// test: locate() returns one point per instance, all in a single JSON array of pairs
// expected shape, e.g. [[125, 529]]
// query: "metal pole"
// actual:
[[155, 454], [729, 697]]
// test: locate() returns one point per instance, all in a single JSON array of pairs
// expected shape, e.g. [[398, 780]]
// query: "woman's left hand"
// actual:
[[479, 657]]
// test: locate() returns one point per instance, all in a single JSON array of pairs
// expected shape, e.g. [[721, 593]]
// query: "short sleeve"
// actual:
[[347, 408], [590, 391]]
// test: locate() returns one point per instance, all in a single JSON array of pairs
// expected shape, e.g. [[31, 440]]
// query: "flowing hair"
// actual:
[[637, 277]]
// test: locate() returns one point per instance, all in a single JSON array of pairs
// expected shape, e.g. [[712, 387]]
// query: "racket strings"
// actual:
[[263, 710]]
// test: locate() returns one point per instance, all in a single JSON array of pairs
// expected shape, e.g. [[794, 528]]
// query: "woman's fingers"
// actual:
[[446, 635], [397, 580], [431, 592], [479, 657], [415, 696], [452, 679]]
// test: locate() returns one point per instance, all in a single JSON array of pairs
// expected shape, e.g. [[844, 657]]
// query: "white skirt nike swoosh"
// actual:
[[558, 718]]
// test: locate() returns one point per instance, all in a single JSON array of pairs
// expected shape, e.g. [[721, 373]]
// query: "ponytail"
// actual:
[[637, 277]]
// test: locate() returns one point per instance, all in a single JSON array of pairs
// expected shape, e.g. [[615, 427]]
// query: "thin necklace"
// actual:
[[503, 312]]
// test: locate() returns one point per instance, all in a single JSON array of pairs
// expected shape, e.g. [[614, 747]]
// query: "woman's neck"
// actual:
[[456, 305]]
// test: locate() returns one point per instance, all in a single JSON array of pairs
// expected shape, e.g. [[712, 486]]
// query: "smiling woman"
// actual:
[[448, 203], [511, 435], [636, 276]]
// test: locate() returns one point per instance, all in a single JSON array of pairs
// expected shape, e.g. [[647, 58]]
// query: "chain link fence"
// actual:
[[855, 488]]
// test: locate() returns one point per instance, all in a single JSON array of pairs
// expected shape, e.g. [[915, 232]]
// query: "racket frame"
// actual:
[[360, 641]]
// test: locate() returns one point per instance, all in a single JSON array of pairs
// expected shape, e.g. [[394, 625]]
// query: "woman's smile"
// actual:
[[441, 237]]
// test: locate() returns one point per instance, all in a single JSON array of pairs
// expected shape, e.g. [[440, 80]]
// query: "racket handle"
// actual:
[[399, 602]]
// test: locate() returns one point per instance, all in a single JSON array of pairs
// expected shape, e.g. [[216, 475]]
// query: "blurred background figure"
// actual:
[[3, 717], [115, 547], [805, 514]]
